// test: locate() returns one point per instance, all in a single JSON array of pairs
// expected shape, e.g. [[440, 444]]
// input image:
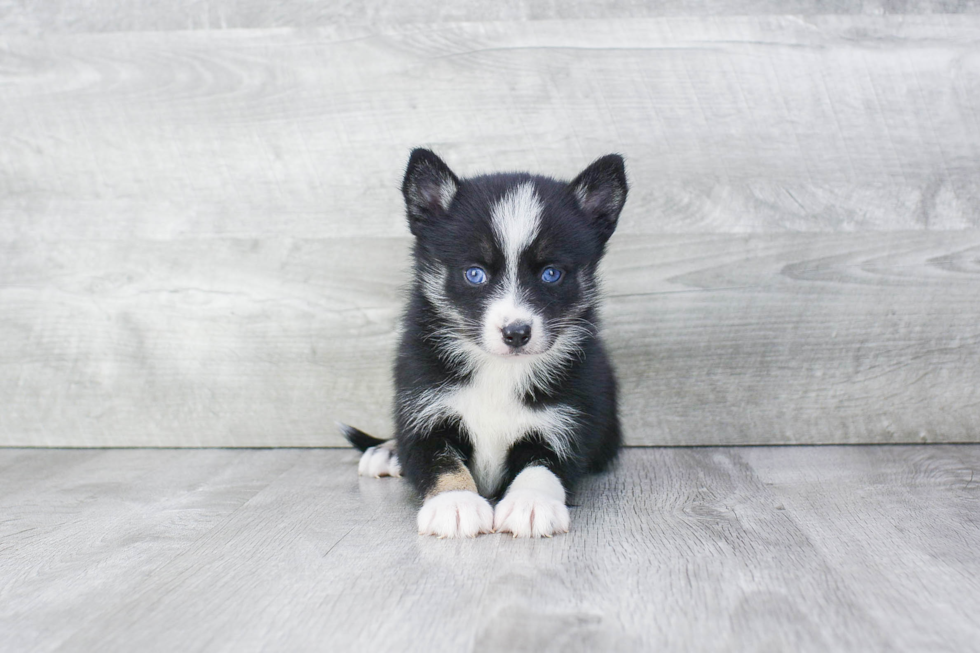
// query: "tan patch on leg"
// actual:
[[459, 479]]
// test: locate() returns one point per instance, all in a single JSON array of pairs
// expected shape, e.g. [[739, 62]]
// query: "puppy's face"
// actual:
[[509, 260], [518, 264]]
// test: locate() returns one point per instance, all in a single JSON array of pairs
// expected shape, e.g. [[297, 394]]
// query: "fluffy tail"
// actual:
[[361, 440]]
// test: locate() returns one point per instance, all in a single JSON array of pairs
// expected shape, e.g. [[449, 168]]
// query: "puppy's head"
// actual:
[[509, 260]]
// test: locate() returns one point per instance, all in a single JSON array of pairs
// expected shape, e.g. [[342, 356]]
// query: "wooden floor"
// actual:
[[844, 548]]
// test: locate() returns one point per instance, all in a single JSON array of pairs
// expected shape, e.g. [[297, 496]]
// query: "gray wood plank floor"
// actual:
[[862, 548]]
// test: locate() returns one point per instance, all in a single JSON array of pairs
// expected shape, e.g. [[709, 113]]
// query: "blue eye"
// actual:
[[550, 274], [475, 275]]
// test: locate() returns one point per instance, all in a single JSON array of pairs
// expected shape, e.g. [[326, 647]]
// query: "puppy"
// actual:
[[503, 388]]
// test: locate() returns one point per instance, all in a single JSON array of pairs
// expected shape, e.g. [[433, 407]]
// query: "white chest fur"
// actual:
[[490, 409]]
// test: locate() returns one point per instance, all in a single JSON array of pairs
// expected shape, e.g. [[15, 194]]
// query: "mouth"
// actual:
[[517, 354], [533, 350]]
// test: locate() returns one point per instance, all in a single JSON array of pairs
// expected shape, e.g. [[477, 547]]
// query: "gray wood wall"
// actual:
[[202, 240]]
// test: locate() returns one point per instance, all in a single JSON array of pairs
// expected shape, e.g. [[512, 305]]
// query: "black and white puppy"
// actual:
[[503, 389]]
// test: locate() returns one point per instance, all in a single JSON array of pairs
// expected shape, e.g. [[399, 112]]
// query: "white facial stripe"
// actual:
[[516, 219]]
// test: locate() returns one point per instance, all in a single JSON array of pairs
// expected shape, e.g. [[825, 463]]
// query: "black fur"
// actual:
[[359, 439], [450, 219]]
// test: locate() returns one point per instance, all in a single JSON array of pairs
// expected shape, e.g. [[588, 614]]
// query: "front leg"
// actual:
[[534, 504], [452, 507]]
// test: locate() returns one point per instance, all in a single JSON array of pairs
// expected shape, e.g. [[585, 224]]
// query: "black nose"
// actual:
[[516, 334]]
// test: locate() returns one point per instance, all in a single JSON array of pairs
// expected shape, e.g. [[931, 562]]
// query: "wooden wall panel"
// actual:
[[729, 125], [798, 338], [68, 16], [201, 237], [788, 338], [202, 342]]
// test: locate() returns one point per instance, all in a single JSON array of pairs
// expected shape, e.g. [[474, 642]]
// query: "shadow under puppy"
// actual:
[[503, 388]]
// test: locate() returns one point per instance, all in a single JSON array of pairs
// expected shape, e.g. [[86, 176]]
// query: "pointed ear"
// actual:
[[601, 192], [429, 188]]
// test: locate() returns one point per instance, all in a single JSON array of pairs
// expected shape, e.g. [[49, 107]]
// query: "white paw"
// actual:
[[379, 461], [529, 513], [457, 513]]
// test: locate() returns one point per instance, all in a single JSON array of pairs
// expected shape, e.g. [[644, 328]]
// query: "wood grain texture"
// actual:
[[804, 549], [797, 339], [932, 604], [741, 124], [717, 339], [196, 343], [83, 530], [65, 16], [202, 240]]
